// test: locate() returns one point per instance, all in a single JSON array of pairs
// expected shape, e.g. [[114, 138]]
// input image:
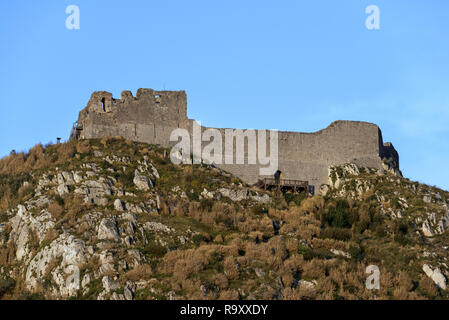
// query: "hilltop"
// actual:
[[119, 217]]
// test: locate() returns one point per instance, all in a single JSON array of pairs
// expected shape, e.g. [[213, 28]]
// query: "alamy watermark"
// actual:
[[72, 22], [73, 280], [372, 22], [373, 280], [212, 153]]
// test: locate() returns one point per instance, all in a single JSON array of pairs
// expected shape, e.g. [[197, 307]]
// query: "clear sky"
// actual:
[[287, 65]]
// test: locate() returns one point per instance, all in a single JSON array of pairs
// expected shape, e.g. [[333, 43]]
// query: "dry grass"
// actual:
[[140, 272], [230, 268], [184, 263], [56, 210]]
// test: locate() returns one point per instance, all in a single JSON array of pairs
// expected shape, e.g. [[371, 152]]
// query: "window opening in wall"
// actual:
[[103, 105]]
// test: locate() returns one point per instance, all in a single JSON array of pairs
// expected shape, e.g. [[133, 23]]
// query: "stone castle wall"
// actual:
[[151, 116]]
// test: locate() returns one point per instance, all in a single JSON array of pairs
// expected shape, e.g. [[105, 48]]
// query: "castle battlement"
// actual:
[[152, 115]]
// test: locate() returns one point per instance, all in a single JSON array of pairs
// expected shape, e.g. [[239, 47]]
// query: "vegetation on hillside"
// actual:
[[292, 247]]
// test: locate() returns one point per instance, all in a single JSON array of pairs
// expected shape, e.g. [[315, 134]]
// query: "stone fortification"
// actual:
[[152, 116]]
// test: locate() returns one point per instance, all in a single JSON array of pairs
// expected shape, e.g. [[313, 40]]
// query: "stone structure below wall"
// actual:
[[151, 117]]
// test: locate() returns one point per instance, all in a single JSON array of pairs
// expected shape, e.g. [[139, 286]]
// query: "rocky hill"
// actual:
[[114, 219]]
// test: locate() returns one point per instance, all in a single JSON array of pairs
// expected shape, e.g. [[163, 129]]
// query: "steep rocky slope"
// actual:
[[114, 219]]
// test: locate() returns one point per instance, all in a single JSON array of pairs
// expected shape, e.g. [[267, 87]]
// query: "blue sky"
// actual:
[[287, 65]]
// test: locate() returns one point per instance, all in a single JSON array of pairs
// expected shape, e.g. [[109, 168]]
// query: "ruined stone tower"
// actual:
[[151, 117]]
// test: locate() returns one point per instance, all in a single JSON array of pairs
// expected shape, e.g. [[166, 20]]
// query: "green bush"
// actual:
[[400, 230], [6, 285], [340, 215], [199, 238], [155, 250], [356, 252], [295, 197], [259, 209], [127, 178], [335, 233]]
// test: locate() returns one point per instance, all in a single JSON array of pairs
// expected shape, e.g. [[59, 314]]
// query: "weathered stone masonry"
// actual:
[[151, 116]]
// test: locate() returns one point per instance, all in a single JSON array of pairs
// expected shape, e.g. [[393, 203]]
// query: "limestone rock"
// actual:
[[426, 229], [307, 284], [207, 194], [62, 189], [67, 178], [129, 290], [259, 273], [107, 230], [436, 276], [117, 296], [351, 169], [109, 284], [23, 223], [234, 195], [98, 154], [118, 205], [94, 191], [172, 295], [141, 181], [72, 252], [261, 199], [341, 253], [77, 177], [157, 227], [324, 189]]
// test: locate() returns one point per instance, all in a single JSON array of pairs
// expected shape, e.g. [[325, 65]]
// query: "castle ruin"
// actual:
[[151, 117]]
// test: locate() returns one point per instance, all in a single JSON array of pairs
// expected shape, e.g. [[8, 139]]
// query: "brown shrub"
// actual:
[[329, 244], [5, 201], [229, 295], [219, 239], [193, 289], [51, 235], [74, 204], [326, 288], [287, 279], [13, 164], [183, 263], [66, 151], [230, 268], [83, 146], [313, 204], [144, 151], [299, 293], [404, 281], [56, 210], [273, 252], [253, 250], [294, 264], [304, 221], [291, 244], [8, 254], [139, 272], [400, 293], [428, 287], [34, 157], [314, 269], [25, 192], [221, 281]]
